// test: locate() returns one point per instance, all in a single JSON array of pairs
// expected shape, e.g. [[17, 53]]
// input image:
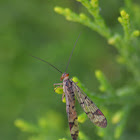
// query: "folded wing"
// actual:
[[92, 111]]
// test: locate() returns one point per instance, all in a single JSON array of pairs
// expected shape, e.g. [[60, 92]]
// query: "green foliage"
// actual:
[[124, 44], [48, 127], [26, 84], [93, 8], [105, 85], [128, 56]]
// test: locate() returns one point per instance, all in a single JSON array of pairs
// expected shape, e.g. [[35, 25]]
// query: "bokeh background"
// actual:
[[26, 91]]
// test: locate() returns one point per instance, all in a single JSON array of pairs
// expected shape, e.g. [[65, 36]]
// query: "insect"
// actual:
[[70, 90]]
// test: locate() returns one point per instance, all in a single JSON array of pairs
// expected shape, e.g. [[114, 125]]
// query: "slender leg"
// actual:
[[63, 95], [57, 84]]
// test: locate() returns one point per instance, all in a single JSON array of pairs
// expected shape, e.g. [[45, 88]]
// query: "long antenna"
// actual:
[[46, 62], [72, 53]]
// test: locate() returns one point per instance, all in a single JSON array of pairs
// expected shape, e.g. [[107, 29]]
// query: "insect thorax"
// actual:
[[67, 88]]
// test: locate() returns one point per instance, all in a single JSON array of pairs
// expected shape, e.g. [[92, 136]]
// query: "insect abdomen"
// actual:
[[70, 109]]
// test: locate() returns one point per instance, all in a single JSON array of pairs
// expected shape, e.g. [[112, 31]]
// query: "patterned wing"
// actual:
[[71, 111], [92, 111]]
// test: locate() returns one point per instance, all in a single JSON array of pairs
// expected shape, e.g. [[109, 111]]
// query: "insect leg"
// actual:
[[63, 95], [57, 84]]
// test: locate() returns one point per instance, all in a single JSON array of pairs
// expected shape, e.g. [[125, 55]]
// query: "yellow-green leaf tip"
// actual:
[[117, 117], [67, 10], [123, 13], [42, 122], [19, 123], [94, 3], [111, 41], [75, 79], [82, 136], [64, 100], [120, 19], [102, 88], [22, 125], [100, 133], [83, 16], [126, 16], [136, 33], [68, 18], [82, 118], [58, 90], [98, 73], [58, 10]]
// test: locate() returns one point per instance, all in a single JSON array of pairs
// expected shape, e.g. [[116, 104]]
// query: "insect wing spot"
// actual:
[[71, 124], [74, 129], [99, 119], [81, 103], [99, 112], [73, 107]]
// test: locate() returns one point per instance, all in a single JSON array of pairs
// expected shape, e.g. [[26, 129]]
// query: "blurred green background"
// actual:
[[26, 92]]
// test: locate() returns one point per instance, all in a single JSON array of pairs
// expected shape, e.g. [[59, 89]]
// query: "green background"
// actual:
[[26, 91]]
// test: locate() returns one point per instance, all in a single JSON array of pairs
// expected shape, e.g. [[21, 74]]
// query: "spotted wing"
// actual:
[[71, 111], [92, 111]]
